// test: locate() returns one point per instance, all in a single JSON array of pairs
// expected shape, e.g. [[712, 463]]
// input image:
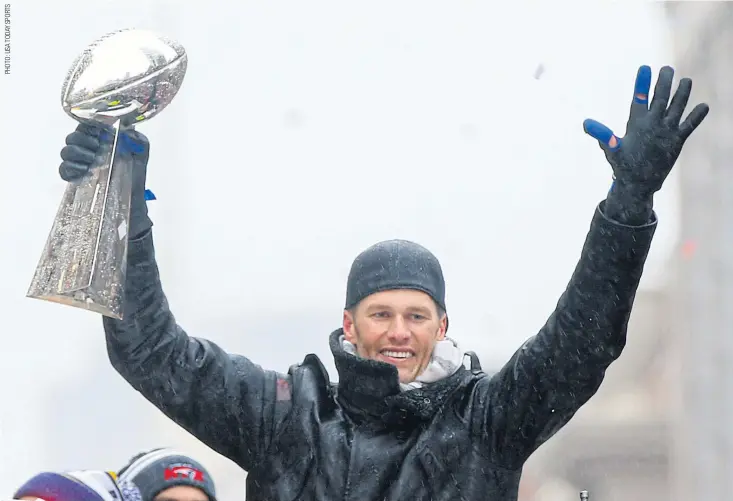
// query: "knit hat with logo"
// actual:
[[149, 473]]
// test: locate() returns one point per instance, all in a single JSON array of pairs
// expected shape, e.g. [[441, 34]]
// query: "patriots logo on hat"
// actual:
[[188, 471]]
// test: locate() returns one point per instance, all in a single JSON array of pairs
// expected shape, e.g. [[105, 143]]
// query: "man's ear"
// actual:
[[349, 327], [442, 327]]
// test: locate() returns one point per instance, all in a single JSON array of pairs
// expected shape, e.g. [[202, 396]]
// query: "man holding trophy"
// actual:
[[406, 420]]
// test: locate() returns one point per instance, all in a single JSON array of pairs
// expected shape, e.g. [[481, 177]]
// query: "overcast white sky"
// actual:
[[305, 132]]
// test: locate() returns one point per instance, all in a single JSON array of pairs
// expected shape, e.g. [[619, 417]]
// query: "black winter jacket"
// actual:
[[464, 438]]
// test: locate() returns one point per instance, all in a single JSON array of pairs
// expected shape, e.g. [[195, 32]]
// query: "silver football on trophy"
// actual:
[[128, 76]]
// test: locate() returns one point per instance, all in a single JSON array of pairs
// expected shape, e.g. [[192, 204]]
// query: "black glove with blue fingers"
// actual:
[[78, 155], [655, 135]]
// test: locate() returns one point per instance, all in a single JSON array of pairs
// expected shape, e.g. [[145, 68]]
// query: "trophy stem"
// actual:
[[105, 198], [84, 261]]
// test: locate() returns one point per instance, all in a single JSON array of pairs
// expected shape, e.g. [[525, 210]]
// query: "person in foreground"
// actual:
[[165, 475], [407, 420]]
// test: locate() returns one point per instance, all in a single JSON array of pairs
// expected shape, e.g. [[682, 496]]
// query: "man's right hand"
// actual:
[[84, 144]]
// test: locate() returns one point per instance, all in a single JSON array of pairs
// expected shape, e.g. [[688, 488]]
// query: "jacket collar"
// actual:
[[369, 389]]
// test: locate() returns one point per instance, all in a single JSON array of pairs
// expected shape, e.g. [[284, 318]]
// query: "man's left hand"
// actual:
[[642, 159]]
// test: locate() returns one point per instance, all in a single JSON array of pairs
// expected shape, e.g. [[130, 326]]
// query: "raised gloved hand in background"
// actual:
[[85, 143], [644, 157]]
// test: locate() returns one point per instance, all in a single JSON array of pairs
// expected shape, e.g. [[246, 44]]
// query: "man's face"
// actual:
[[182, 493], [399, 327]]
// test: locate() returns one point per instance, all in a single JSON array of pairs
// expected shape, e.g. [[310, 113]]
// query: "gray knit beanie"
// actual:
[[395, 264], [150, 473]]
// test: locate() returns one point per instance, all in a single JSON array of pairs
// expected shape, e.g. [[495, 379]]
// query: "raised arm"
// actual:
[[225, 400], [557, 371]]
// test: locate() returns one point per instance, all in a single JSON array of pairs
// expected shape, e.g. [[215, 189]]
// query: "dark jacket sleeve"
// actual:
[[558, 370], [226, 401]]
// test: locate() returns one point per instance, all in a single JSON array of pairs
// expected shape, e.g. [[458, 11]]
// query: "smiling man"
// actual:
[[395, 313], [406, 421]]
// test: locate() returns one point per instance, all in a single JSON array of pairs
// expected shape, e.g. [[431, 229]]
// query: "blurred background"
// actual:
[[305, 132]]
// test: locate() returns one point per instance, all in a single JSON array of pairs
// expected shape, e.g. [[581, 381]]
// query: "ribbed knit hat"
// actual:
[[149, 473]]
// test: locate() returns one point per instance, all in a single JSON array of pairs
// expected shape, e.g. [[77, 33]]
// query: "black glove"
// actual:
[[85, 143], [644, 157]]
